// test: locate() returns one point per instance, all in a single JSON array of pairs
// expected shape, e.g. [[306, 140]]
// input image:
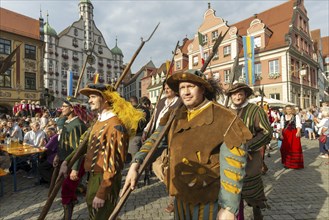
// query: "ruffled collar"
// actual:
[[105, 115], [240, 107]]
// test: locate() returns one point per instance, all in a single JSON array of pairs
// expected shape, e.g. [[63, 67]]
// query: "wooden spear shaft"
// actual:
[[80, 150], [161, 91], [146, 161]]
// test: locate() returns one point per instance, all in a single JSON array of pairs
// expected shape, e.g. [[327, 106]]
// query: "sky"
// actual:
[[132, 20]]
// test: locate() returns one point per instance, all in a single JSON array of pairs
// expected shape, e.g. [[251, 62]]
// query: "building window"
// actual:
[[326, 60], [100, 50], [257, 42], [195, 60], [215, 75], [30, 52], [227, 75], [75, 32], [214, 35], [296, 41], [178, 65], [205, 38], [99, 40], [75, 42], [258, 70], [275, 96], [5, 46], [205, 55], [227, 50], [5, 79], [30, 81], [274, 69]]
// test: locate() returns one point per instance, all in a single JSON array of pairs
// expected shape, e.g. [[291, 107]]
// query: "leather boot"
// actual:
[[68, 211], [257, 213]]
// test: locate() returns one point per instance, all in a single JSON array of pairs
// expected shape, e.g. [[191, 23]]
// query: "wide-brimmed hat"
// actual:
[[97, 89], [193, 76], [71, 101], [240, 86]]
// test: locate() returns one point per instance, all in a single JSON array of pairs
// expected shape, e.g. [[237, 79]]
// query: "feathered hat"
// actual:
[[128, 115]]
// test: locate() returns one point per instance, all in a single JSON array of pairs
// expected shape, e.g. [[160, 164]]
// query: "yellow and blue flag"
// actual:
[[69, 83], [96, 78], [249, 59]]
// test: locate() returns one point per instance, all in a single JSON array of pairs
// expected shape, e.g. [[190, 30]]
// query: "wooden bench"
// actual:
[[2, 173]]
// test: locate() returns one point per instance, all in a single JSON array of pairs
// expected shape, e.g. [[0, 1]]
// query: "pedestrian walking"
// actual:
[[291, 148], [107, 147], [206, 151], [256, 119]]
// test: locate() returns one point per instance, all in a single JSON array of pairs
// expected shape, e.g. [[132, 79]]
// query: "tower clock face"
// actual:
[[91, 59]]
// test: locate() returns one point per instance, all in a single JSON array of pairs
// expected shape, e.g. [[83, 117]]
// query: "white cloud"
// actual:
[[131, 20]]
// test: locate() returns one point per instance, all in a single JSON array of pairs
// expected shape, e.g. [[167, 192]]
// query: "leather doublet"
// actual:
[[194, 153]]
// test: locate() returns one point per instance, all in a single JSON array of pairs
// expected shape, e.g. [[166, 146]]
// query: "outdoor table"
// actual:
[[2, 173], [19, 150]]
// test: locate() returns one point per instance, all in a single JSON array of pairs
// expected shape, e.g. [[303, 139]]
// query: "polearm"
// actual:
[[89, 56], [133, 58], [80, 150], [146, 161], [56, 169], [236, 70], [161, 91]]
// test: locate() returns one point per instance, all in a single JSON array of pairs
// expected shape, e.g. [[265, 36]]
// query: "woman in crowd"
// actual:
[[291, 149], [323, 126], [309, 125]]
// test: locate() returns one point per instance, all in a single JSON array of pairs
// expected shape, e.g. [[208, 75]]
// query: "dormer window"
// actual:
[[227, 50], [214, 35], [257, 42]]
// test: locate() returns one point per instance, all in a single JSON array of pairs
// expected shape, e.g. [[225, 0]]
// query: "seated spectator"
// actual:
[[36, 138], [46, 163]]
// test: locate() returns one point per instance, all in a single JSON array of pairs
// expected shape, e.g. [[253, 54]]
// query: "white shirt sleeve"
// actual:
[[298, 122]]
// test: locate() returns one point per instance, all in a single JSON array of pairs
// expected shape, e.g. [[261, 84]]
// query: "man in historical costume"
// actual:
[[206, 151], [135, 143], [107, 147], [69, 138], [169, 102], [255, 118]]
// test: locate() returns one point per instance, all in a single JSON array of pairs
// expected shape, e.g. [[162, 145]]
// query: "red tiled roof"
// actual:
[[325, 46], [19, 24], [277, 19], [316, 37]]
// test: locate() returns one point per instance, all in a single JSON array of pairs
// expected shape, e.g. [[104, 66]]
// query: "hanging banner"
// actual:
[[69, 83], [249, 59]]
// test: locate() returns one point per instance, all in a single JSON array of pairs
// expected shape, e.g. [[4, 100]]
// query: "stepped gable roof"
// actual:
[[186, 43], [19, 24], [148, 65], [162, 68], [316, 37], [277, 19]]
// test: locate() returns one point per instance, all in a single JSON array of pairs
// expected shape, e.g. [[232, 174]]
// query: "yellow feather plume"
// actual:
[[128, 115]]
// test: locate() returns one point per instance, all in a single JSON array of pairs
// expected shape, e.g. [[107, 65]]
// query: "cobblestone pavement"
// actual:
[[292, 194]]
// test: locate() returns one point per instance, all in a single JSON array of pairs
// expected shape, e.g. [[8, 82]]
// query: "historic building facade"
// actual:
[[285, 61], [23, 80], [133, 86], [67, 52]]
